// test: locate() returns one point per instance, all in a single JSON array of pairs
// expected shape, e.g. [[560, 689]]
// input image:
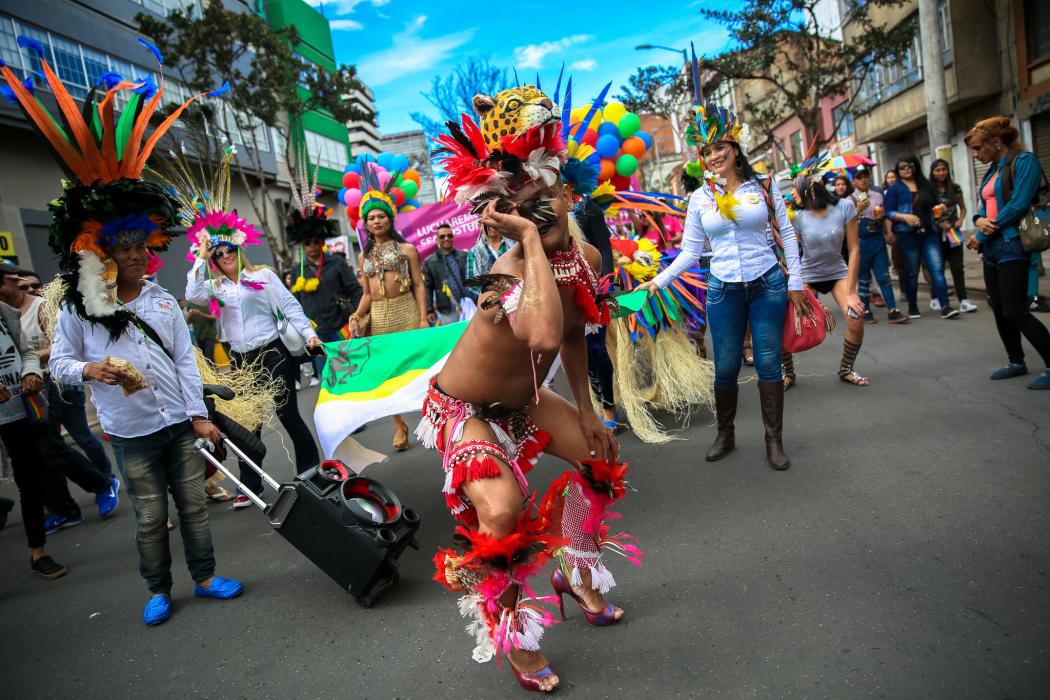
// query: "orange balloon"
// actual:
[[634, 146], [413, 175], [606, 170]]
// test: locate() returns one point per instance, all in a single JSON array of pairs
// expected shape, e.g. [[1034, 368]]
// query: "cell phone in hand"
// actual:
[[852, 314]]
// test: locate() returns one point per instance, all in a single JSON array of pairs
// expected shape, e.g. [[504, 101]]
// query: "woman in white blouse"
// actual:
[[747, 284], [246, 296]]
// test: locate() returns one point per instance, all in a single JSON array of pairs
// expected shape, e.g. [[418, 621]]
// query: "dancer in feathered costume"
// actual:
[[485, 411]]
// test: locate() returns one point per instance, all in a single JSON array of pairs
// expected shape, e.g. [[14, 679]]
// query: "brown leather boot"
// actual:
[[725, 413], [771, 397]]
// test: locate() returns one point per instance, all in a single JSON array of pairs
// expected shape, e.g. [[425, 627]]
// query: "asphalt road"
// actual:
[[905, 554]]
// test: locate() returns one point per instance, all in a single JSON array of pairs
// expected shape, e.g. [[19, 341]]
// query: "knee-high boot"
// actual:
[[771, 396], [725, 414]]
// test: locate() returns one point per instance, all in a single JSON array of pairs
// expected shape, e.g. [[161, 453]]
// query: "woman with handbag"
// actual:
[[747, 283], [394, 298], [248, 300], [1005, 198], [825, 225]]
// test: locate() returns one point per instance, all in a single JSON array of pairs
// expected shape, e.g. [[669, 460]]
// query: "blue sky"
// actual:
[[399, 45]]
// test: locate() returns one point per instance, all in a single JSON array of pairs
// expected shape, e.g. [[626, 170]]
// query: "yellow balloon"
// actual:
[[613, 111], [576, 116], [407, 207]]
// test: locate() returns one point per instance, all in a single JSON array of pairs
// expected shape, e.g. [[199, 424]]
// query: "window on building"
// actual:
[[325, 151], [843, 121], [166, 7], [798, 151], [1037, 28]]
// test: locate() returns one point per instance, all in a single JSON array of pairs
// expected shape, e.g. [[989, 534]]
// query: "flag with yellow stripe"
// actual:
[[366, 379]]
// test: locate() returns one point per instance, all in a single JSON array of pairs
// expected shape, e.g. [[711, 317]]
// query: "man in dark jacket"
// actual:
[[444, 274], [337, 295]]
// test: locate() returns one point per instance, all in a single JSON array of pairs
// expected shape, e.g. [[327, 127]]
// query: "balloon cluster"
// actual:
[[388, 167], [615, 134]]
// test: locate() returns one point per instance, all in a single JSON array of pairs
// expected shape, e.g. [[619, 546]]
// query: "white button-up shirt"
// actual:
[[741, 250], [247, 317], [174, 393]]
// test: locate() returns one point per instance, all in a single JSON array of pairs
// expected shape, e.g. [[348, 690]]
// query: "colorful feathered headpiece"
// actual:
[[711, 123], [814, 167], [308, 218], [519, 142], [375, 195], [104, 201]]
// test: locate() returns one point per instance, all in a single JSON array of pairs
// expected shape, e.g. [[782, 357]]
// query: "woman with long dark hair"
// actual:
[[909, 205], [747, 284], [949, 215], [394, 296], [1005, 196]]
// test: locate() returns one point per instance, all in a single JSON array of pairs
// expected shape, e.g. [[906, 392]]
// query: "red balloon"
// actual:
[[606, 170], [590, 137], [633, 146], [399, 196], [621, 183], [351, 181]]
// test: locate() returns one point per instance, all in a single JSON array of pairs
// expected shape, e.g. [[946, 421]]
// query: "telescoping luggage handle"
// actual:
[[277, 518]]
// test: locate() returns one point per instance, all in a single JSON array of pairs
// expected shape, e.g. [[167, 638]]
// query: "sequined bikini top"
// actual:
[[387, 257]]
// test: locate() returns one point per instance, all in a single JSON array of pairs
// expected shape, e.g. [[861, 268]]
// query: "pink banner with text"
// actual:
[[419, 227]]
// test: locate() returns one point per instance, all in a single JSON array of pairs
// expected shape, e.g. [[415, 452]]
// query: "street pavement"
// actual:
[[905, 554]]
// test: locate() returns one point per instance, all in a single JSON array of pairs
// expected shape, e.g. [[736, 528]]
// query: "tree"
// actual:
[[783, 49], [454, 94], [271, 87], [659, 90]]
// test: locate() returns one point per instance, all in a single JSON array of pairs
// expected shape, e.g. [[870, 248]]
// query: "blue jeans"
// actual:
[[874, 259], [151, 466], [996, 250], [731, 306], [73, 415], [925, 247]]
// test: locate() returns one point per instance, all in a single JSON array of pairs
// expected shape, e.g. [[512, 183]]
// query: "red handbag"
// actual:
[[808, 331]]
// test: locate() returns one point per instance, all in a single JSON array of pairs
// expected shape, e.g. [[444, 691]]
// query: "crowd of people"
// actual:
[[530, 289]]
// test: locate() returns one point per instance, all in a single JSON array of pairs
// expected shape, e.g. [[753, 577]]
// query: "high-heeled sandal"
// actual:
[[533, 681], [596, 618]]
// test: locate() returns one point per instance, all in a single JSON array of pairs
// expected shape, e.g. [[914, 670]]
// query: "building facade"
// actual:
[[364, 135], [414, 145]]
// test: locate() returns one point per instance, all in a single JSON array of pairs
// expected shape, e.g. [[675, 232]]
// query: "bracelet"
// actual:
[[200, 420]]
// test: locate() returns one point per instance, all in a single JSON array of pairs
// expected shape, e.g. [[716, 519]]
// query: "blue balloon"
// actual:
[[645, 137], [414, 202], [366, 158], [385, 160], [342, 191], [349, 168], [607, 146], [400, 163], [355, 168], [608, 128]]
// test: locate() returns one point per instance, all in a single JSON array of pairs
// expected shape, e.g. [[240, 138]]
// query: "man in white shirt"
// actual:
[[152, 431]]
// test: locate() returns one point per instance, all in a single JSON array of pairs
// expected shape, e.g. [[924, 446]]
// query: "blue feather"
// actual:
[[220, 90], [109, 80], [696, 74], [153, 50], [566, 111], [595, 106], [147, 89], [31, 44], [517, 82], [557, 88]]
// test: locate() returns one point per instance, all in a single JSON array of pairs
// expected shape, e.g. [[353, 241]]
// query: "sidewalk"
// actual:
[[973, 269]]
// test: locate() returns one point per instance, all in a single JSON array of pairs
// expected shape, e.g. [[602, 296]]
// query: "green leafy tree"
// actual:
[[271, 88], [788, 62], [663, 91]]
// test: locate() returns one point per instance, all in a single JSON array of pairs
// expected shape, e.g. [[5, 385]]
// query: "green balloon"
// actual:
[[410, 188], [629, 125], [626, 165]]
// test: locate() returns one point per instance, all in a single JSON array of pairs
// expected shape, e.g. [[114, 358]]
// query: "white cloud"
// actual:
[[532, 55], [584, 65], [338, 8], [349, 25], [410, 53]]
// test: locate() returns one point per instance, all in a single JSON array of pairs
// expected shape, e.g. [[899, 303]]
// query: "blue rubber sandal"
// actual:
[[221, 588]]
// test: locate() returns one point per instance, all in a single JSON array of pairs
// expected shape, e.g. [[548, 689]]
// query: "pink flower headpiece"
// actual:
[[219, 228]]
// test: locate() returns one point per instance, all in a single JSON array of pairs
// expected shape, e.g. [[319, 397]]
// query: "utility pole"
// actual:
[[938, 121]]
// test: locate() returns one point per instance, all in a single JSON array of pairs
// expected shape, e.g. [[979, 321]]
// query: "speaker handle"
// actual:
[[259, 503], [237, 451]]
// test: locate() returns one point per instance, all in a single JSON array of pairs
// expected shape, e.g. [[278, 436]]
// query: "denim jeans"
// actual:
[[920, 247], [731, 306], [874, 259], [996, 250], [70, 411], [151, 466]]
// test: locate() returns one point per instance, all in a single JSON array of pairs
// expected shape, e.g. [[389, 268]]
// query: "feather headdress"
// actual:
[[375, 195], [307, 218], [711, 123], [814, 167], [104, 201]]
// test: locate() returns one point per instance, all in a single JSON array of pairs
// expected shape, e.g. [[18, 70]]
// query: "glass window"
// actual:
[[8, 46], [843, 121], [69, 67], [30, 59], [797, 149], [95, 65], [326, 152], [1037, 28]]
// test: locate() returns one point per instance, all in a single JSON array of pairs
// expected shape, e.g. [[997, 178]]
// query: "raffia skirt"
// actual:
[[394, 315]]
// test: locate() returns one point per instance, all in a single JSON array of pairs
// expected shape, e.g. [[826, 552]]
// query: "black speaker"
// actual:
[[352, 527]]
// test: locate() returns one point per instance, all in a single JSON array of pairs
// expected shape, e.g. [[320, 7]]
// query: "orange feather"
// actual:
[[129, 166], [47, 127], [147, 149], [88, 148]]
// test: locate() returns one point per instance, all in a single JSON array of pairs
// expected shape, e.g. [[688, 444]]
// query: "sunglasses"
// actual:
[[446, 236], [222, 253], [29, 286], [904, 166]]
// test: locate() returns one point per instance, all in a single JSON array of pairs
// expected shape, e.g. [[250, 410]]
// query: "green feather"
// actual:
[[126, 123]]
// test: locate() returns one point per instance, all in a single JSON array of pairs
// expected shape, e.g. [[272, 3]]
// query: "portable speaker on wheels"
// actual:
[[352, 527]]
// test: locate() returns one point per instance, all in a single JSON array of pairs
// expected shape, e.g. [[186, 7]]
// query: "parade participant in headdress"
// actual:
[[748, 283], [824, 224], [485, 413], [244, 297], [122, 333], [394, 296]]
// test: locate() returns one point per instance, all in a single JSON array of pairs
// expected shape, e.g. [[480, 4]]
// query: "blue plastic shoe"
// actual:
[[222, 588], [157, 610], [56, 522], [108, 500], [1043, 382], [1010, 371]]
